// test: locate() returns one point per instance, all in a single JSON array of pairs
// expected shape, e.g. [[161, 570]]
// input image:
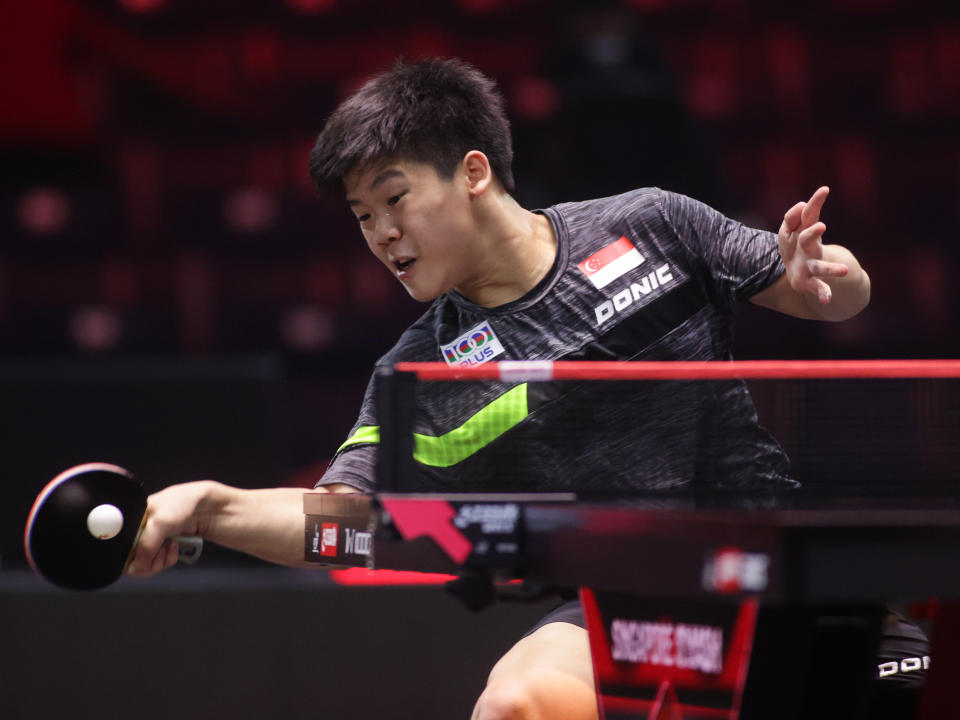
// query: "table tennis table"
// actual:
[[735, 605], [692, 613]]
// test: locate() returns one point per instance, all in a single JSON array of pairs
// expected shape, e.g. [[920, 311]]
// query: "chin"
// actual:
[[421, 295]]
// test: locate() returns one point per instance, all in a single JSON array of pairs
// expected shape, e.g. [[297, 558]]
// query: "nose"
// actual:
[[388, 230]]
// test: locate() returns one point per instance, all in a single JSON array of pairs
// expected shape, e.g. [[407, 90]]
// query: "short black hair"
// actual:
[[433, 111]]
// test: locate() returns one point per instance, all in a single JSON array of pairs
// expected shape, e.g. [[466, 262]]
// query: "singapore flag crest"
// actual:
[[610, 262]]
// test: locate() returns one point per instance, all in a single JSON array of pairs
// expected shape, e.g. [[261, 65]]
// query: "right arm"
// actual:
[[267, 524]]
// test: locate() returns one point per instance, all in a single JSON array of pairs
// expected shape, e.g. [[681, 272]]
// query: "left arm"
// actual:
[[821, 282]]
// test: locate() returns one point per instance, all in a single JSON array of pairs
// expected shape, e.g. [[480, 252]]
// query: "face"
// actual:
[[416, 223]]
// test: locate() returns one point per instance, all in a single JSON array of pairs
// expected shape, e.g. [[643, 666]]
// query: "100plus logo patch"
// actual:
[[476, 346]]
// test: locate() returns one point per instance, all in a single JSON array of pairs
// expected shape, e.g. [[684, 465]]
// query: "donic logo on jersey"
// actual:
[[474, 347], [629, 295], [611, 262]]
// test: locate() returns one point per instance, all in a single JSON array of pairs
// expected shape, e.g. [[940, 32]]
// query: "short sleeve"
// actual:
[[354, 467], [355, 462], [356, 459], [736, 261]]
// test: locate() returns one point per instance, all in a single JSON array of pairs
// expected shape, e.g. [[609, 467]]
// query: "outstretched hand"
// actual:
[[801, 247], [170, 512]]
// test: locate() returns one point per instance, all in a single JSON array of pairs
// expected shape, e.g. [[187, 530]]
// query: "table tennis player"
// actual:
[[423, 154]]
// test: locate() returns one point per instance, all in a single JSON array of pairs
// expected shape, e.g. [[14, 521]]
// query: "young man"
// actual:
[[423, 153]]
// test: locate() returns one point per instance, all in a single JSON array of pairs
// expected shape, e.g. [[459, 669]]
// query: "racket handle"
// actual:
[[190, 547]]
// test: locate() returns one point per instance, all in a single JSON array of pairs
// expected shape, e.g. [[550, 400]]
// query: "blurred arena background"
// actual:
[[175, 297]]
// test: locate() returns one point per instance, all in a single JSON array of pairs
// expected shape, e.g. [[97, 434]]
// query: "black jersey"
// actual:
[[647, 275]]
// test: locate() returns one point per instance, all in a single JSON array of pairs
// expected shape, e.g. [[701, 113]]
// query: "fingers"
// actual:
[[823, 291], [170, 554], [159, 561], [149, 546], [145, 564], [805, 214], [165, 558], [153, 548], [791, 221], [816, 286], [810, 239], [811, 210], [147, 558], [821, 269], [814, 283], [801, 244], [170, 512], [151, 559]]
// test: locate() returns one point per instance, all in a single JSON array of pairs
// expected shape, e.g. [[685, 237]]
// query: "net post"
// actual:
[[395, 393]]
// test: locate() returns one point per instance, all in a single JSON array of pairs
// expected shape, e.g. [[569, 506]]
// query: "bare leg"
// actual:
[[546, 675]]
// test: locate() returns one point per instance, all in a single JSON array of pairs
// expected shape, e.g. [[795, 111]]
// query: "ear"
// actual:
[[477, 172]]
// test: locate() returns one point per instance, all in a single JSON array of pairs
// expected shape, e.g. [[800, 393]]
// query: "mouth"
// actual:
[[403, 266]]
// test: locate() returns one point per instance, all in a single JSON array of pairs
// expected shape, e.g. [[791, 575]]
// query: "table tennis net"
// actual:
[[599, 436]]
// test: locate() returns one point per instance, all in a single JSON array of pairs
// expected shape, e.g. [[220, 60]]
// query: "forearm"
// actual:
[[267, 523], [849, 294]]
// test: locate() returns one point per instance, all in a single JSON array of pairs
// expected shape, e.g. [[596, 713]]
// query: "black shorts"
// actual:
[[568, 612], [903, 656]]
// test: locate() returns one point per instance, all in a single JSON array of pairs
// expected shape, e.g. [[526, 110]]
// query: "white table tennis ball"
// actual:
[[105, 521]]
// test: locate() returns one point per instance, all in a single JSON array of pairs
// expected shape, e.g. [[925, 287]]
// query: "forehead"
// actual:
[[358, 181]]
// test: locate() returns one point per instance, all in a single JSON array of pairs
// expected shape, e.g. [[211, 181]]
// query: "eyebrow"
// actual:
[[378, 180]]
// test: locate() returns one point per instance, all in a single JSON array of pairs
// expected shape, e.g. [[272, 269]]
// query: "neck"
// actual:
[[517, 250]]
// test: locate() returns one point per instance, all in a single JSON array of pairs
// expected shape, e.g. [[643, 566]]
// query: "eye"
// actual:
[[363, 218], [395, 199]]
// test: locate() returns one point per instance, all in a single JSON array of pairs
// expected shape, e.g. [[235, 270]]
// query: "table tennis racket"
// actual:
[[59, 540]]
